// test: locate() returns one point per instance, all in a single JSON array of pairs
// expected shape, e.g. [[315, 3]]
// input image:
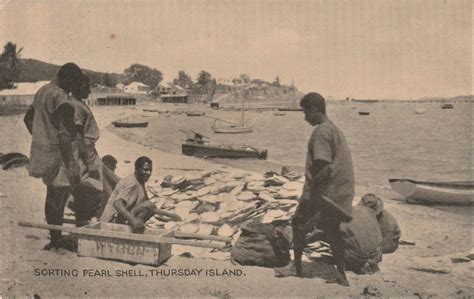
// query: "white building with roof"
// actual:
[[21, 94], [137, 88]]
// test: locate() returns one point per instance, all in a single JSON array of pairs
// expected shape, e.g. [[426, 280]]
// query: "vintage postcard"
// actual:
[[254, 148]]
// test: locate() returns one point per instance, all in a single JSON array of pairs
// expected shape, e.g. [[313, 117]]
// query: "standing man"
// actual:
[[329, 186], [50, 120]]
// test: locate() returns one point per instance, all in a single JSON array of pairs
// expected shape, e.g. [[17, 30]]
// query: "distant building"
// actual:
[[172, 93], [225, 81], [163, 88], [174, 98], [22, 94], [137, 88], [120, 86], [115, 100]]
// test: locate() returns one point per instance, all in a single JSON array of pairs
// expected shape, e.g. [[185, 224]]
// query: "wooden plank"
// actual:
[[178, 234], [203, 237], [122, 235]]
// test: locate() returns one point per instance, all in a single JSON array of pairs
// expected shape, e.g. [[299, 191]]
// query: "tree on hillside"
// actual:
[[9, 65], [276, 82], [108, 80], [183, 80], [206, 84], [142, 73], [244, 78], [204, 78]]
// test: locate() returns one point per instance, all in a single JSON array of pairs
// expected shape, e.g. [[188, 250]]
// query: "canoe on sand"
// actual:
[[450, 193], [123, 124]]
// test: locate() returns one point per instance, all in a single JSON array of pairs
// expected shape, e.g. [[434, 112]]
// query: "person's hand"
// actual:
[[74, 174], [137, 225]]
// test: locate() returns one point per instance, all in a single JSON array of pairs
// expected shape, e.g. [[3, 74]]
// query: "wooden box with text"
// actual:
[[106, 247]]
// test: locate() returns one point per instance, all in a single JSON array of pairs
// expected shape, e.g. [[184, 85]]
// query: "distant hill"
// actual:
[[32, 70], [439, 99]]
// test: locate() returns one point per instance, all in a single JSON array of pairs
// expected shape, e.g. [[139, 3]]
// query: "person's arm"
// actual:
[[321, 153], [64, 116], [86, 153], [147, 209], [135, 222], [172, 216], [321, 174], [28, 119]]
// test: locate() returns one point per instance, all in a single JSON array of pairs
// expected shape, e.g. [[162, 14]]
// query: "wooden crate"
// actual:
[[121, 249]]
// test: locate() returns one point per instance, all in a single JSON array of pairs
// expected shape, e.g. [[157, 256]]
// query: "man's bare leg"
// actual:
[[299, 243]]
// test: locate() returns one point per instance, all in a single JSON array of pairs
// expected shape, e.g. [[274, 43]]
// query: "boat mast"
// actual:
[[243, 109]]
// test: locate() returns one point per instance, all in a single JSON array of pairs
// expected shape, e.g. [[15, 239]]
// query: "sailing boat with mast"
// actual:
[[233, 127]]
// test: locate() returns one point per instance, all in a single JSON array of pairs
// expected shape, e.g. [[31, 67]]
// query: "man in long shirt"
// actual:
[[129, 203], [329, 177], [50, 120]]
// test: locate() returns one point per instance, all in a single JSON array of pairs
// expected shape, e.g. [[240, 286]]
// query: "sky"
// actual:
[[360, 49]]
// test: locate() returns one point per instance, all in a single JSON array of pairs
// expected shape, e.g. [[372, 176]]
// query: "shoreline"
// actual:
[[437, 235]]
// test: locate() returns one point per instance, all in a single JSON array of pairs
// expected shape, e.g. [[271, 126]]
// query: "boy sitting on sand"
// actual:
[[129, 203]]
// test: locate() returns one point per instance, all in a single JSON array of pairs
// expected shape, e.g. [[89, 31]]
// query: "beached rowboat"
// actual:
[[122, 124], [194, 113], [435, 192], [447, 106], [232, 129]]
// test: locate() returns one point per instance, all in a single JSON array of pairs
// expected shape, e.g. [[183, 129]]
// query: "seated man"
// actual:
[[391, 232], [129, 203]]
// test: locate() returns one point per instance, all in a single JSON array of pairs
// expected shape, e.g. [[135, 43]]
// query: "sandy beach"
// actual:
[[423, 270]]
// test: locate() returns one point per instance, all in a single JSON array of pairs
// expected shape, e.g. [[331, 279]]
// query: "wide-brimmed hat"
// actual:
[[372, 201]]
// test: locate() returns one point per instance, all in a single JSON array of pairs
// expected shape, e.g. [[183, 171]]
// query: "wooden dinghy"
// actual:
[[195, 113], [451, 193], [232, 129], [196, 146], [447, 106], [122, 124]]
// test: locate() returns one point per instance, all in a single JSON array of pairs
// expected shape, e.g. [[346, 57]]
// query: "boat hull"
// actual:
[[130, 125], [210, 151], [232, 130], [451, 193], [290, 109]]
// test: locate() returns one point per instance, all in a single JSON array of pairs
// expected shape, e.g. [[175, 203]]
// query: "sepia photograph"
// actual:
[[236, 148]]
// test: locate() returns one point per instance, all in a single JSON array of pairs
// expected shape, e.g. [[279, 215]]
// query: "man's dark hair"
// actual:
[[314, 99], [68, 76], [141, 161], [109, 161]]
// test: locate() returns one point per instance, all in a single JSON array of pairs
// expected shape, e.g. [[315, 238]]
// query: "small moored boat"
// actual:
[[364, 112], [195, 113], [126, 124], [454, 193], [195, 146], [419, 111]]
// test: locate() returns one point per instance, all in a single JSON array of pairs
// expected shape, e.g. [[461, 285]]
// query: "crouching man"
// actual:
[[129, 202], [391, 232]]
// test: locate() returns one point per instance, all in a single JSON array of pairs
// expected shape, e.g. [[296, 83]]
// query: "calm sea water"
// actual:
[[391, 142]]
